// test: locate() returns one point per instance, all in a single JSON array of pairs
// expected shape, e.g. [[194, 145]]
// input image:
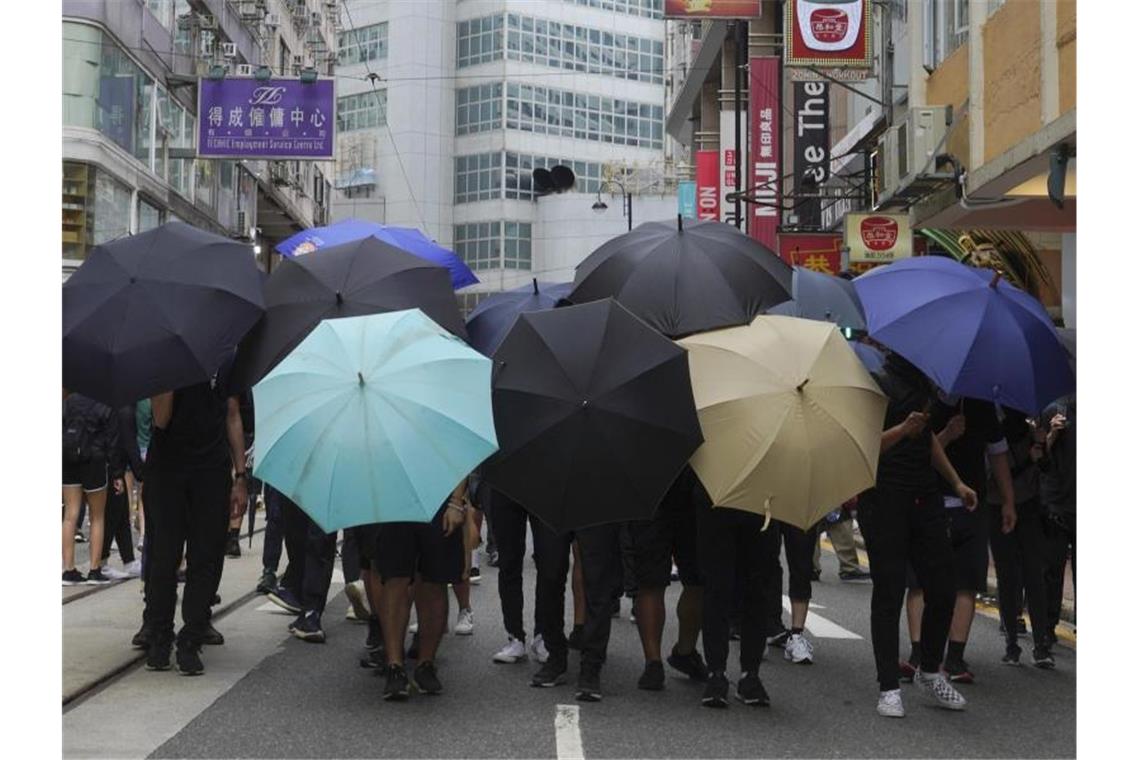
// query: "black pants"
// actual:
[[1019, 559], [350, 557], [312, 554], [508, 526], [274, 530], [735, 555], [628, 563], [899, 528], [1061, 538], [184, 507], [117, 526]]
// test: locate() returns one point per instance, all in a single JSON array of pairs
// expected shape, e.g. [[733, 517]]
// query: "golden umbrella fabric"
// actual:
[[792, 420]]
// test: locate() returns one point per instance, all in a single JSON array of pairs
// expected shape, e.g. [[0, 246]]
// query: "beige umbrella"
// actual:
[[792, 420]]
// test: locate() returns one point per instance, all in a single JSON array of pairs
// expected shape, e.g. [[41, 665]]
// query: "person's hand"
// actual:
[[239, 499], [914, 424], [118, 484], [1008, 517], [968, 496], [1058, 422], [955, 428], [453, 517]]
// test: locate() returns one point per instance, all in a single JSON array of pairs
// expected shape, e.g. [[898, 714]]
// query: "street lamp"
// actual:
[[627, 202]]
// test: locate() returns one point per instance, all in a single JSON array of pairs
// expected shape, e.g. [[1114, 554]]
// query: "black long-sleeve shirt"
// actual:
[[129, 442], [1059, 467]]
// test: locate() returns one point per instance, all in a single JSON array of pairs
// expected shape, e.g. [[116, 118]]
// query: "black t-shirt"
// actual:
[[905, 467], [196, 434], [968, 453]]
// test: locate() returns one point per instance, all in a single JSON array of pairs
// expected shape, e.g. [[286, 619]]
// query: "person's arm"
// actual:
[[954, 429], [116, 461], [129, 440], [161, 409], [941, 464], [456, 512], [999, 465], [239, 494], [908, 428]]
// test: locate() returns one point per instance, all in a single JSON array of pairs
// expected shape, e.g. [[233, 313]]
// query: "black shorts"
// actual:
[[90, 475], [406, 548], [366, 537], [969, 539], [671, 536]]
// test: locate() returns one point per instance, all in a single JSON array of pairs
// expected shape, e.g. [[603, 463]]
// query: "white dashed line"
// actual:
[[567, 735]]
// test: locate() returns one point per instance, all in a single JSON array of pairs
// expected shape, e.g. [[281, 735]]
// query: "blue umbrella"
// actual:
[[411, 240], [490, 321], [871, 357], [969, 330], [827, 298], [374, 419]]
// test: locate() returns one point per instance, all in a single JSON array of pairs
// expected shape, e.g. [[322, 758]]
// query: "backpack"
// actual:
[[76, 441]]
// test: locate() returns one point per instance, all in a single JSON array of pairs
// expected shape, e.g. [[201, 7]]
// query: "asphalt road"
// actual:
[[280, 697]]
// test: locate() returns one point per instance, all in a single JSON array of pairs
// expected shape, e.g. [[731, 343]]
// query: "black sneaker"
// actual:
[[815, 575], [426, 679], [716, 693], [653, 677], [158, 653], [216, 600], [73, 577], [957, 671], [97, 578], [493, 558], [233, 546], [141, 640], [855, 576], [286, 600], [396, 688], [1012, 656], [751, 692], [213, 637], [589, 683], [189, 663], [780, 639], [375, 640], [267, 582], [475, 577], [413, 652], [690, 664], [574, 640], [307, 627], [376, 660], [1043, 658], [552, 673], [1022, 629]]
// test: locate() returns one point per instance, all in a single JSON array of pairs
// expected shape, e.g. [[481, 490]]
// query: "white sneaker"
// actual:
[[465, 623], [537, 650], [938, 689], [890, 704], [115, 575], [798, 649], [514, 651], [133, 569], [357, 609]]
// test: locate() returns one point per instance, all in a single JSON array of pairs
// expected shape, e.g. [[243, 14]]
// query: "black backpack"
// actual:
[[76, 441]]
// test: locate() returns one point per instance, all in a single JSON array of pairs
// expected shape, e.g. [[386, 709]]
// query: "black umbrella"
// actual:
[[684, 280], [594, 413], [365, 276], [155, 312]]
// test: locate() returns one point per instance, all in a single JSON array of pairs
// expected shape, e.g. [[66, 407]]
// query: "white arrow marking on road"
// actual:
[[821, 627], [567, 735]]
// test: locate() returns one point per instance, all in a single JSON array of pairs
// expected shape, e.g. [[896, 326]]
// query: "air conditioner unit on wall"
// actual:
[[906, 166]]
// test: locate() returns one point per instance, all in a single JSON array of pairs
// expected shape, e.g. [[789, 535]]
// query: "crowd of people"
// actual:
[[958, 479]]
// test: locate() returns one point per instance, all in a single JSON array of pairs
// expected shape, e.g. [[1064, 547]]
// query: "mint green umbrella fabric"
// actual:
[[374, 419]]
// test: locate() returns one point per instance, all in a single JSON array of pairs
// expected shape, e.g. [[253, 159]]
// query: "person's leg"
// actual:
[[72, 499], [207, 520], [815, 555], [508, 525], [124, 539], [552, 557], [932, 557], [760, 551], [842, 536], [431, 613], [798, 545], [652, 545], [970, 541], [320, 558], [886, 529], [914, 608], [111, 517], [395, 611], [296, 529], [1030, 537], [578, 587], [97, 500], [166, 499], [350, 557], [602, 578], [1008, 565], [274, 531], [773, 593], [716, 552]]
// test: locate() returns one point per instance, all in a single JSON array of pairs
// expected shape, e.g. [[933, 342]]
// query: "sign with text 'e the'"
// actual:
[[811, 147], [687, 199], [878, 238], [273, 119], [708, 185]]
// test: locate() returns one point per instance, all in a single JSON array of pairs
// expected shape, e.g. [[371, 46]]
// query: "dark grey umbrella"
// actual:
[[826, 298]]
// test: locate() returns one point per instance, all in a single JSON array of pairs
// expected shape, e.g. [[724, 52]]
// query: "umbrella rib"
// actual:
[[816, 405]]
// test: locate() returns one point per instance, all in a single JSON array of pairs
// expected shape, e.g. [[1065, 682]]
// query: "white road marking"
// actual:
[[819, 626], [567, 735]]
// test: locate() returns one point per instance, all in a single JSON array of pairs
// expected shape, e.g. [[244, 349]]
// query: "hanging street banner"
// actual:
[[817, 252], [273, 119], [730, 164], [708, 185], [764, 149], [878, 238], [811, 148], [687, 199], [833, 36], [691, 9]]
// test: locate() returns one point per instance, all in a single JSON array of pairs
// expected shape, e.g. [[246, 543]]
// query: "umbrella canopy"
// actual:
[[968, 330], [685, 279], [595, 416], [489, 322], [406, 238], [827, 298], [1068, 338], [155, 312], [871, 357], [363, 277], [373, 419], [792, 421]]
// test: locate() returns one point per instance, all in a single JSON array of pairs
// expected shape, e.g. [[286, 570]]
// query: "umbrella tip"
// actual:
[[680, 224], [360, 376], [800, 387], [534, 282]]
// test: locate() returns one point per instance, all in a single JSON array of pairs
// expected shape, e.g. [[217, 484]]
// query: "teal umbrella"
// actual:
[[374, 419]]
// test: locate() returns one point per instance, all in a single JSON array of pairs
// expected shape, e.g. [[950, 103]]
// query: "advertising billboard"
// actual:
[[764, 151], [708, 185], [272, 119], [878, 238], [830, 35]]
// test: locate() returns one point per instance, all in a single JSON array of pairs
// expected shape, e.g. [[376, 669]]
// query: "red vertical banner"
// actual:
[[708, 185], [764, 152]]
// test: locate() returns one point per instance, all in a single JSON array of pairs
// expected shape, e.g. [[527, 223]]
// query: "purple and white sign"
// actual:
[[272, 119]]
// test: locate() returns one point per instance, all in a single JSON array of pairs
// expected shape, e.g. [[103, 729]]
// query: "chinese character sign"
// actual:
[[273, 119], [828, 34], [878, 238], [820, 253], [764, 152]]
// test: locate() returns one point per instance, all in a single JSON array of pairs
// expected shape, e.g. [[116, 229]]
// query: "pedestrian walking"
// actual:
[[304, 587], [509, 522], [1058, 466], [90, 446], [128, 466]]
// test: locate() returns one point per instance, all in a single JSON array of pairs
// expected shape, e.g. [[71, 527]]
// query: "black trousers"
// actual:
[[117, 526], [1019, 559], [628, 563], [736, 557], [1061, 538], [508, 525], [350, 557], [312, 554], [898, 528], [274, 530], [184, 507]]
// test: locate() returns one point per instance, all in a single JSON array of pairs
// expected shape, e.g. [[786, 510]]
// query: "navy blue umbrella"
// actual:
[[827, 298], [490, 321]]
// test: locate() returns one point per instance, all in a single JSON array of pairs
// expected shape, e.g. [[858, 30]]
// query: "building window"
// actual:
[[478, 41], [368, 43], [586, 49], [96, 208], [150, 216], [946, 27], [479, 108], [163, 10], [359, 191], [585, 117], [519, 182], [479, 244], [516, 245], [363, 111], [644, 8], [468, 302], [478, 177]]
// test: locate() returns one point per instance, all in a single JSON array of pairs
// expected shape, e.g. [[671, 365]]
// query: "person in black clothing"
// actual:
[[304, 587], [90, 445], [903, 518], [195, 482], [508, 522], [799, 547], [1058, 466], [118, 522]]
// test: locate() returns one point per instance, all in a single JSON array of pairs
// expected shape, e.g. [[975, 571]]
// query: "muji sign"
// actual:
[[764, 151]]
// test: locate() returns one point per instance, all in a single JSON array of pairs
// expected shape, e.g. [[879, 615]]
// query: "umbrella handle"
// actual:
[[767, 514]]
